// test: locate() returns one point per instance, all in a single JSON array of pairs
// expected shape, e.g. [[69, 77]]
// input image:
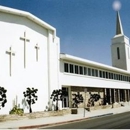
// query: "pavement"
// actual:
[[54, 120]]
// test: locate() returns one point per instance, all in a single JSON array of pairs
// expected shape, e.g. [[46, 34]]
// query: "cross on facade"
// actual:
[[37, 48], [25, 40], [11, 53]]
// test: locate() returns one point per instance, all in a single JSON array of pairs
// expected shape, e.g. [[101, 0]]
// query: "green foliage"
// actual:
[[3, 99], [16, 110], [30, 97]]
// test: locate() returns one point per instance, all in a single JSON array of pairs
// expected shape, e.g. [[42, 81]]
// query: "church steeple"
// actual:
[[119, 29], [120, 48]]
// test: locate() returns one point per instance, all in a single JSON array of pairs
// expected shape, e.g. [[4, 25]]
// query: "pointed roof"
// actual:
[[119, 29]]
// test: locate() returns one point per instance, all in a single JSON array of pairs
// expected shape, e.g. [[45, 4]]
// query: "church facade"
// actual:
[[30, 57]]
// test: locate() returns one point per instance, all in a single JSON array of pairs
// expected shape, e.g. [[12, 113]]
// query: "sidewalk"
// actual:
[[46, 121]]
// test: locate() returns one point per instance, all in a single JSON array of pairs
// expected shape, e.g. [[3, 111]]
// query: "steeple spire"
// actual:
[[119, 29]]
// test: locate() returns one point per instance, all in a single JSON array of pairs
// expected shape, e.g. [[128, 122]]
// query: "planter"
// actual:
[[74, 111], [33, 115]]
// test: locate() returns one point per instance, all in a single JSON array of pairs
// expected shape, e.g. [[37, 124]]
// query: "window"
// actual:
[[117, 76], [111, 75], [114, 75], [118, 53], [100, 73], [92, 72], [66, 67], [76, 69], [80, 69], [121, 77], [106, 74], [71, 68], [125, 78], [129, 79], [89, 71], [85, 71], [96, 73]]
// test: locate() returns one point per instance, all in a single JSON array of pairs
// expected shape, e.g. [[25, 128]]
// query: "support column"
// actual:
[[114, 96], [118, 95], [125, 98], [104, 96], [128, 96], [70, 97], [110, 96], [121, 95], [105, 91]]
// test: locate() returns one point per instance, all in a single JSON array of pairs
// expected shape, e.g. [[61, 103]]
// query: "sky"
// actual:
[[85, 27]]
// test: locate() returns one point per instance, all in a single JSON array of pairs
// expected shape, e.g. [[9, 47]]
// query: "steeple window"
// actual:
[[118, 53]]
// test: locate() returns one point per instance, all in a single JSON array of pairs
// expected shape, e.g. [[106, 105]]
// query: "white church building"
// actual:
[[30, 57]]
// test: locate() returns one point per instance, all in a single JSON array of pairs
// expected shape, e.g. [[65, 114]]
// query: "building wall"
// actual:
[[36, 72], [89, 81], [84, 80]]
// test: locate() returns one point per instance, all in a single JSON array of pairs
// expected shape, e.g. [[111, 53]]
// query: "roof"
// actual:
[[71, 58], [119, 29], [27, 15]]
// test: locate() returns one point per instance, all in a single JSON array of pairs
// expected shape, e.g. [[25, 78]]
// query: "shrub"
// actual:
[[16, 110]]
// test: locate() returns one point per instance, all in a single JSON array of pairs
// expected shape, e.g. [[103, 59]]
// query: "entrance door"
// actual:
[[65, 102]]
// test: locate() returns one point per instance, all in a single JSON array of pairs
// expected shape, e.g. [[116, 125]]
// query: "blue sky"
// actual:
[[85, 27]]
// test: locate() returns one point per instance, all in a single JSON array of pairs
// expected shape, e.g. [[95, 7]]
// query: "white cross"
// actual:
[[37, 48], [25, 40], [11, 53]]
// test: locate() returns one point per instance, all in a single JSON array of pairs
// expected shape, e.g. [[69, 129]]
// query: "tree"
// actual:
[[78, 98], [30, 97], [57, 95], [3, 99]]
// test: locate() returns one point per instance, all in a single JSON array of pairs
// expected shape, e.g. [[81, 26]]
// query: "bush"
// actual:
[[16, 110]]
